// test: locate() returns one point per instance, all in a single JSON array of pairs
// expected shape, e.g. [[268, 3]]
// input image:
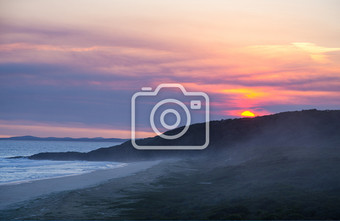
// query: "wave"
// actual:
[[14, 171]]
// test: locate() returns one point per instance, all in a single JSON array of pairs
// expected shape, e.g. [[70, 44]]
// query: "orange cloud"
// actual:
[[250, 93], [238, 99]]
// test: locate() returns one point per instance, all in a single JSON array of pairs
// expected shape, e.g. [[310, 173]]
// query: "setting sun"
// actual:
[[247, 114]]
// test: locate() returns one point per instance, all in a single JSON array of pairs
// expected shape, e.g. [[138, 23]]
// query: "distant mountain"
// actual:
[[301, 132], [96, 139]]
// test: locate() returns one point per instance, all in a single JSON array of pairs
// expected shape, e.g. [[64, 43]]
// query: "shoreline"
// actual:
[[19, 192]]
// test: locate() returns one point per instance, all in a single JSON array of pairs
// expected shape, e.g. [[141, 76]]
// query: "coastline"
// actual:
[[198, 189], [56, 177], [19, 192]]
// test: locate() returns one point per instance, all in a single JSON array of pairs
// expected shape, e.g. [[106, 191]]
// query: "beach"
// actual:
[[194, 189], [12, 194]]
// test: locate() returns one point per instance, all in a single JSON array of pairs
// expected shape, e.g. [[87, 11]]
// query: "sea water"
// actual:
[[25, 170]]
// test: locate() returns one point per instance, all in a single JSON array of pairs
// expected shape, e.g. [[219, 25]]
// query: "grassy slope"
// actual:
[[279, 189]]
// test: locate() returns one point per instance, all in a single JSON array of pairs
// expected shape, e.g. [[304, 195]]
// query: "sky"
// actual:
[[69, 68]]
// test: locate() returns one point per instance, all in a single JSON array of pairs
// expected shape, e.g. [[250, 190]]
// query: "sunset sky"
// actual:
[[70, 67]]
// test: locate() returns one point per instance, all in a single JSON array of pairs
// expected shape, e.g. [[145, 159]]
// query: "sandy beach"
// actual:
[[78, 198], [16, 193]]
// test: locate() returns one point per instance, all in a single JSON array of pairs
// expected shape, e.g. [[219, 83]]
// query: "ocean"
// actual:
[[25, 170]]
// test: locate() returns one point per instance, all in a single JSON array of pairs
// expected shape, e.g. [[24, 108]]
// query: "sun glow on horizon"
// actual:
[[247, 114]]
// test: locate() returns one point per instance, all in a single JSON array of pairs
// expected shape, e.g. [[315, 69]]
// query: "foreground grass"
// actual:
[[233, 192]]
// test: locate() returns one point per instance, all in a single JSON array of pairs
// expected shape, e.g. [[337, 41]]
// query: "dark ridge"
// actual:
[[307, 128]]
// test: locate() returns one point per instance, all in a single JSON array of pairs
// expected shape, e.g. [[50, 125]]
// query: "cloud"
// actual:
[[92, 81], [295, 52], [15, 128], [317, 53]]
